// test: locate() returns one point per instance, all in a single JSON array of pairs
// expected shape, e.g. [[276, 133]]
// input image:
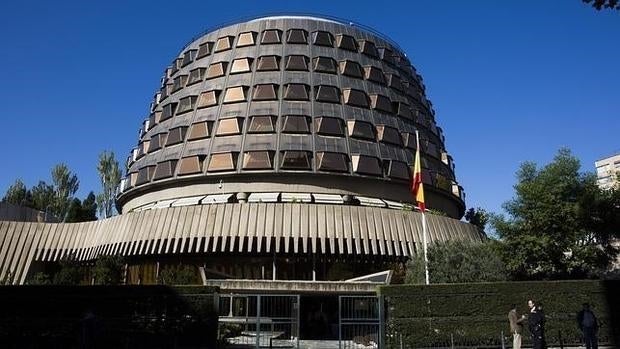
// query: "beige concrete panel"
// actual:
[[286, 225], [305, 222], [400, 228], [217, 228], [261, 222], [270, 221], [131, 237], [8, 231], [187, 228], [313, 226], [159, 230], [348, 230], [372, 230], [376, 212], [41, 242], [31, 249], [178, 233], [279, 225], [177, 221], [194, 228], [3, 232], [14, 230], [228, 233], [56, 242], [145, 236], [18, 255], [296, 225], [210, 228], [165, 229], [356, 224], [336, 234], [321, 223], [364, 237], [387, 232], [201, 233]]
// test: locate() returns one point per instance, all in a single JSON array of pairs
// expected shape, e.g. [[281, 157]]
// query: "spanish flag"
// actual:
[[417, 188]]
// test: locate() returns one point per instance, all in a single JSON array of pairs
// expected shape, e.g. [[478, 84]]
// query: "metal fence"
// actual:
[[360, 322]]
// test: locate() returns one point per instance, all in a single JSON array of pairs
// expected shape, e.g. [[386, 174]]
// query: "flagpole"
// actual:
[[423, 209]]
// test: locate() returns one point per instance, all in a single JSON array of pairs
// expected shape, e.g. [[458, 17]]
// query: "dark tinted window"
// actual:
[[352, 69], [368, 48], [266, 92], [346, 42], [296, 62], [176, 135], [196, 76], [374, 74], [257, 160], [388, 134], [186, 104], [329, 94], [262, 124], [217, 70], [208, 99], [271, 36], [361, 129], [355, 98], [381, 103], [268, 63], [165, 169], [199, 130], [297, 36], [296, 124], [223, 44], [222, 162], [295, 160], [367, 165], [333, 162], [329, 126], [190, 165], [189, 57], [323, 38], [204, 49], [324, 65], [296, 92]]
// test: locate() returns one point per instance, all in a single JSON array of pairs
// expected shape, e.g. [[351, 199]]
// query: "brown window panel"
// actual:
[[262, 124], [387, 134], [296, 92], [216, 70], [223, 44], [398, 170], [409, 140], [196, 76], [199, 130], [402, 110], [356, 98], [296, 62], [186, 104], [367, 165], [188, 57], [329, 126], [235, 94], [168, 111], [257, 160], [361, 130], [380, 103], [246, 39], [268, 63], [222, 162], [228, 127], [265, 92], [176, 135], [374, 74], [204, 49], [165, 169], [179, 82], [241, 65], [208, 98], [346, 42], [332, 162], [296, 124], [296, 36], [394, 82], [324, 65], [295, 160], [368, 48], [157, 141], [351, 68], [271, 36], [323, 38], [190, 165], [386, 55], [329, 94], [145, 174]]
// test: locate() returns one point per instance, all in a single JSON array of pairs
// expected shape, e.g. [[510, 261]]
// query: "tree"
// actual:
[[17, 194], [478, 217], [604, 4], [65, 185], [43, 197], [110, 175], [89, 208], [459, 261], [70, 272], [179, 275], [559, 223], [108, 270]]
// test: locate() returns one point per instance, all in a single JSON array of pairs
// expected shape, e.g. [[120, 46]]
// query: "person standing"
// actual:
[[516, 326], [536, 325], [588, 324]]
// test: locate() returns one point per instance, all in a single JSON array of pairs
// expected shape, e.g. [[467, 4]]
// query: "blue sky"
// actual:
[[510, 80]]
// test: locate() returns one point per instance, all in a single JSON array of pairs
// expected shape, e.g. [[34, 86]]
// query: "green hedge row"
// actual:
[[476, 314]]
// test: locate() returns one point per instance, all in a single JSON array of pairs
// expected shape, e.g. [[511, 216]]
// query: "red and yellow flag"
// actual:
[[417, 188]]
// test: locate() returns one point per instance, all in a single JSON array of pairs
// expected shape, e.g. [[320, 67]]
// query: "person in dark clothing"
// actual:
[[588, 324], [536, 325]]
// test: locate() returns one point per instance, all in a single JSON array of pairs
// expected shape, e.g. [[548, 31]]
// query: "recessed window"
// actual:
[[143, 148], [265, 92], [329, 94], [368, 48], [199, 130], [262, 124], [188, 57], [217, 70], [356, 98], [402, 110], [246, 39], [380, 103], [431, 149], [361, 130], [409, 140], [346, 42], [268, 63], [324, 65], [394, 82], [296, 124], [386, 55], [196, 76], [228, 127], [204, 50], [374, 74], [145, 174], [296, 36], [271, 36], [387, 134], [168, 111], [208, 98], [176, 65], [352, 69], [165, 169], [190, 165], [179, 82], [223, 44], [332, 162], [186, 104], [166, 90], [257, 160], [176, 135], [241, 65], [296, 62], [296, 92], [295, 160], [222, 162], [235, 94], [398, 170], [323, 38], [157, 141], [328, 126], [367, 165]]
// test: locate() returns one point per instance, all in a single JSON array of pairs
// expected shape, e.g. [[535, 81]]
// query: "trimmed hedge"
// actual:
[[108, 316], [476, 314]]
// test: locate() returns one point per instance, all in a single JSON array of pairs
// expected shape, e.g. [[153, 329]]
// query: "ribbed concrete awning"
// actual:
[[294, 228]]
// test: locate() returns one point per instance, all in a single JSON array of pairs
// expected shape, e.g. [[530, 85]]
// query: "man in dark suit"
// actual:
[[588, 324], [536, 325]]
